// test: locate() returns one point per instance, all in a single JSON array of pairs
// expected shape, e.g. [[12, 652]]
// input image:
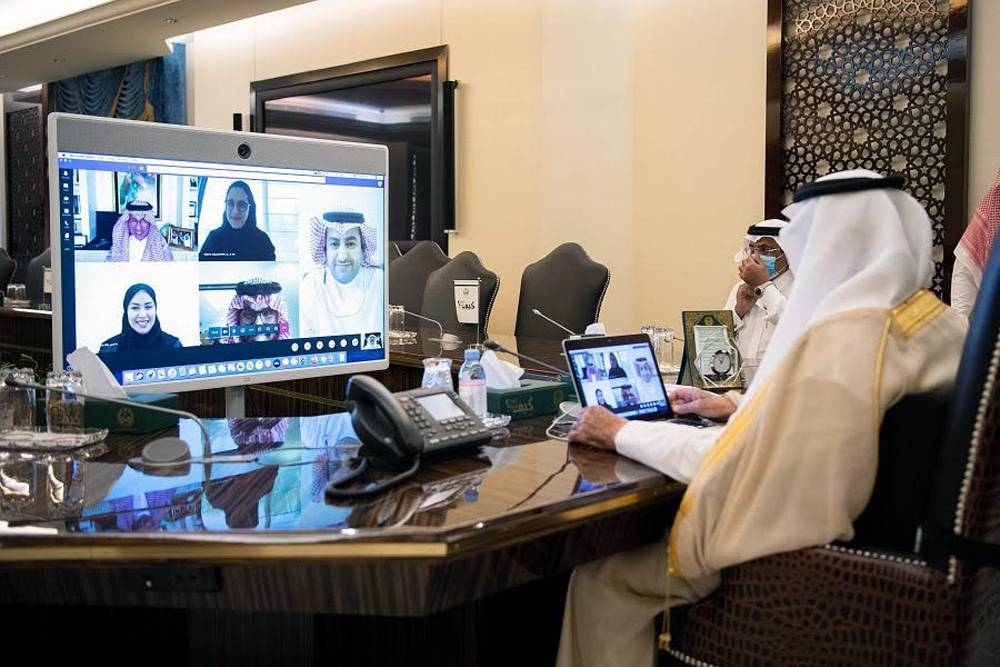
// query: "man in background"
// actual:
[[759, 297]]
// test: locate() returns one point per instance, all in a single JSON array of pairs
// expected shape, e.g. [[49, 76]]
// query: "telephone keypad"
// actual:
[[446, 433]]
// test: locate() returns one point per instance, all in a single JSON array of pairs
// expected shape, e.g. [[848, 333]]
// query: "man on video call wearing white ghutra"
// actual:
[[859, 331]]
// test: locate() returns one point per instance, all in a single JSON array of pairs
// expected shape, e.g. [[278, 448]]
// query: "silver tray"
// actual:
[[39, 440]]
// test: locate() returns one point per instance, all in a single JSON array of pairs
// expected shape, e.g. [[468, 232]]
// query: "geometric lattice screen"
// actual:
[[864, 84]]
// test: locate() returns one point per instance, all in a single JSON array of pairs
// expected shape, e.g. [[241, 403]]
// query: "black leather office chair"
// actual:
[[439, 294], [35, 279], [882, 599], [566, 285], [408, 275], [8, 265]]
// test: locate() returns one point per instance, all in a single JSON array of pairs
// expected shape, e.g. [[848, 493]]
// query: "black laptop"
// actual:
[[620, 373]]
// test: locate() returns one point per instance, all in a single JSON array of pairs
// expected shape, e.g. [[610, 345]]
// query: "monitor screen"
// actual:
[[234, 258]]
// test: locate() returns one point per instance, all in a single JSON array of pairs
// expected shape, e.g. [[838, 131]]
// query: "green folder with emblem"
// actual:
[[128, 419]]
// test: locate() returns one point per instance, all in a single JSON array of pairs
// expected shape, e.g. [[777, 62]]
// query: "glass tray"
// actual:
[[41, 441], [495, 422]]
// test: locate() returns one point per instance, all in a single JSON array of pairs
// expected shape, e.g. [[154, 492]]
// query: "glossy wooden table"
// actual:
[[246, 563]]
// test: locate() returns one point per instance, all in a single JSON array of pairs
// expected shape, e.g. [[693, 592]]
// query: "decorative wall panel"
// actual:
[[26, 189], [865, 84]]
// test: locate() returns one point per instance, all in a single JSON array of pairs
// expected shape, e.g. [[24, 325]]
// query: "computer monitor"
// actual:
[[235, 259]]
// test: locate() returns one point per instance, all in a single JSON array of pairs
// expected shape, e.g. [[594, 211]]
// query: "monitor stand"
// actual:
[[236, 402]]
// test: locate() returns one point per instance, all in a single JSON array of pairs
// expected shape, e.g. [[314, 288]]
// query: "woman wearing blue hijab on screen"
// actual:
[[238, 239], [140, 324]]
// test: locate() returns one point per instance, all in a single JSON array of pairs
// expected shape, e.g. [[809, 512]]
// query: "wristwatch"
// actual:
[[759, 289]]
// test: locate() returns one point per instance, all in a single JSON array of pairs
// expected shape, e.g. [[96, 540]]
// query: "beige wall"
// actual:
[[635, 127], [984, 99], [606, 122]]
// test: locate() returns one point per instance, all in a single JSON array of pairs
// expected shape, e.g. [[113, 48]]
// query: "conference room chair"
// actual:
[[8, 265], [35, 275], [408, 245], [565, 285], [408, 274], [439, 294], [919, 584]]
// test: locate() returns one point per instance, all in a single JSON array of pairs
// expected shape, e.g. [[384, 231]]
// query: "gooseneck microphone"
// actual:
[[552, 321], [490, 344], [166, 451], [445, 338]]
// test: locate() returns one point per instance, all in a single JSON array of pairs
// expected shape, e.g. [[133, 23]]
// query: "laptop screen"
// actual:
[[619, 373]]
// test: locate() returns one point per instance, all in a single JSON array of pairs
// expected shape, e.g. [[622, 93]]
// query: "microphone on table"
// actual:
[[444, 338], [490, 344], [545, 317], [167, 451]]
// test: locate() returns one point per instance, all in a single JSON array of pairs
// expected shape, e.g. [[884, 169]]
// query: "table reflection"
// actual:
[[276, 476]]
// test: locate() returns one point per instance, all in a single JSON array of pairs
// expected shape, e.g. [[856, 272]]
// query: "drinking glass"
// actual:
[[17, 404], [397, 323], [64, 411], [437, 373], [663, 347], [17, 292]]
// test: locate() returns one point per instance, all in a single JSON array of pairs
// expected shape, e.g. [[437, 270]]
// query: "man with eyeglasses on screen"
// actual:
[[758, 298]]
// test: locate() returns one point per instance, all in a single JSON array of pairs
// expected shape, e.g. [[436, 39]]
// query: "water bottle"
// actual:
[[472, 382]]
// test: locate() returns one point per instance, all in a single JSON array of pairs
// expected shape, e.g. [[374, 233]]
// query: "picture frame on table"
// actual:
[[710, 359]]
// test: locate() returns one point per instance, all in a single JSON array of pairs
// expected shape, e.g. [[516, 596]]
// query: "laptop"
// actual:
[[620, 373]]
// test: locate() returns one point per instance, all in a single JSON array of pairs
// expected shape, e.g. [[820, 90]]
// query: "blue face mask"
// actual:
[[771, 264]]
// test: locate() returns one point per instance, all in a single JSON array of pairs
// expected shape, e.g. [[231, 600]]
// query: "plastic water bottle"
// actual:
[[472, 382]]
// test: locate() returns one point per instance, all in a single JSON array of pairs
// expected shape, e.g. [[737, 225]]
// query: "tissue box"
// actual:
[[127, 419], [532, 398]]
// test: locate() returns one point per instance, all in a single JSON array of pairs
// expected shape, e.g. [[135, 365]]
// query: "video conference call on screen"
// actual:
[[623, 379], [236, 271]]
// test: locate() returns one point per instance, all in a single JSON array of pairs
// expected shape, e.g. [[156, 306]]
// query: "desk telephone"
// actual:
[[397, 429]]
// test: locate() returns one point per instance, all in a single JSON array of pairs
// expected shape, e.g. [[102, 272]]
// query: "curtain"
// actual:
[[152, 90]]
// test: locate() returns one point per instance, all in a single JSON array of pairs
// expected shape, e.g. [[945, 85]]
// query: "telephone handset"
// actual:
[[397, 429], [388, 436]]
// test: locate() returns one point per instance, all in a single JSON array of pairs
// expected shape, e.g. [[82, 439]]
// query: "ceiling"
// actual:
[[114, 33]]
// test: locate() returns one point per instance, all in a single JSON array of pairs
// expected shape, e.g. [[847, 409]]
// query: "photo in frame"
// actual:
[[711, 359], [180, 237], [132, 185]]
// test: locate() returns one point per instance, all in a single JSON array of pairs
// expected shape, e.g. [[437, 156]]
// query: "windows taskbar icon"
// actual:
[[220, 369]]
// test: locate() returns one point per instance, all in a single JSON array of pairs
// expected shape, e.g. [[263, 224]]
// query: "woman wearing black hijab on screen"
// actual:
[[140, 324], [238, 239]]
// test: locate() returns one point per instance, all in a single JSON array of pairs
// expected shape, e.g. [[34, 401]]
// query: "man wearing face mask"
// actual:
[[136, 238], [758, 299], [343, 294]]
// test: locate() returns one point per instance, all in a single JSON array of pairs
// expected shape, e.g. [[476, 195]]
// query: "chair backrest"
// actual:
[[964, 510], [966, 493], [908, 446], [8, 265], [406, 246], [35, 280], [566, 285], [439, 294], [393, 252], [408, 275]]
